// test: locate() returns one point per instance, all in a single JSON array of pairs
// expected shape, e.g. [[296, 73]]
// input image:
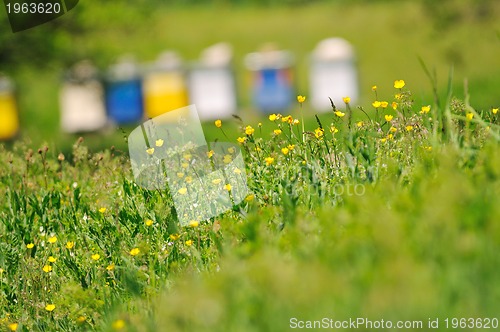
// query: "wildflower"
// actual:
[[394, 105], [150, 151], [231, 150], [397, 96], [30, 245], [174, 237], [187, 157], [469, 116], [135, 251], [425, 109], [110, 267], [269, 160], [374, 88], [393, 129], [237, 171], [50, 307], [399, 84], [70, 244], [409, 128], [388, 117], [182, 191], [189, 243], [259, 124], [277, 132], [287, 118], [13, 326], [96, 257], [52, 259], [180, 174], [384, 104], [249, 198], [295, 122], [184, 165], [334, 130], [376, 104], [159, 143], [390, 136], [339, 114], [249, 130], [359, 124], [118, 324], [285, 151], [102, 210], [218, 123], [194, 223], [149, 222], [241, 140], [81, 319], [301, 99], [494, 110], [210, 153], [318, 132], [291, 146], [216, 181], [47, 268], [346, 100], [188, 179], [53, 239], [383, 140], [272, 117], [228, 187]]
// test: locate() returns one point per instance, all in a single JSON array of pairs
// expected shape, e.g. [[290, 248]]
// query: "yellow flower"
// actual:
[[159, 143], [53, 239], [150, 151], [291, 146], [228, 187], [135, 251], [301, 99], [216, 181], [285, 151], [13, 326], [118, 324], [149, 222], [30, 245], [70, 244], [393, 129], [227, 159], [334, 130], [241, 140], [339, 114], [494, 110], [409, 128], [383, 140], [359, 124], [397, 96], [187, 157], [428, 148], [81, 319], [374, 88], [182, 191], [394, 105], [102, 210], [272, 117], [249, 198], [50, 307], [384, 104], [110, 267], [52, 259], [388, 117], [318, 132], [96, 257], [287, 118], [269, 160], [237, 171], [180, 174], [47, 268], [346, 100], [277, 132], [399, 84], [188, 179], [210, 153], [376, 104], [390, 136], [425, 109], [295, 122], [194, 223], [249, 130], [469, 116], [189, 243], [218, 123], [174, 237]]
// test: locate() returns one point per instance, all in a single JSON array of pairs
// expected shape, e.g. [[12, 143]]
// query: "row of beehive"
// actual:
[[131, 94]]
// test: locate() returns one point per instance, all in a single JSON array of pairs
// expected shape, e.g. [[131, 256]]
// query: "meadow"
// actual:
[[386, 211]]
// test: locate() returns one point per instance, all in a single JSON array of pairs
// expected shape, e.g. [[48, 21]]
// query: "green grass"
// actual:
[[388, 36], [374, 222]]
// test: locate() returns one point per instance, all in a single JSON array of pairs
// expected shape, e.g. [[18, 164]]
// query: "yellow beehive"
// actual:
[[9, 120], [164, 92]]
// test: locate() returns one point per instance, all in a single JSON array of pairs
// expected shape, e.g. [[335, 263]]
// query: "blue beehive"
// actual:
[[272, 86], [124, 102]]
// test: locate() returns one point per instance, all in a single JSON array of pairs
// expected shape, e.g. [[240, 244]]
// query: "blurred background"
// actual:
[[387, 38]]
